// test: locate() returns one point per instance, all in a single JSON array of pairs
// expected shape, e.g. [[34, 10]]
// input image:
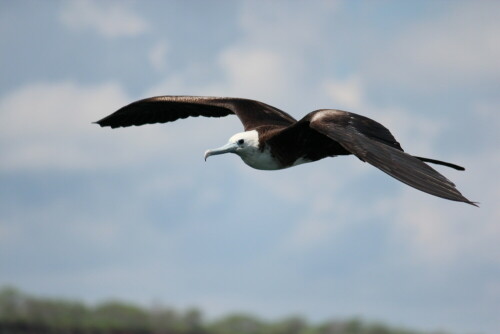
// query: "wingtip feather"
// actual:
[[476, 204]]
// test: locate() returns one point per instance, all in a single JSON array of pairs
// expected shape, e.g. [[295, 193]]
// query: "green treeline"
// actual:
[[21, 313]]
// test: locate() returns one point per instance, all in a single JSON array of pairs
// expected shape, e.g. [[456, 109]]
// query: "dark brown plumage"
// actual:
[[162, 109], [320, 134]]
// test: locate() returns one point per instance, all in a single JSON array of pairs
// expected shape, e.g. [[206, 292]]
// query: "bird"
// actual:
[[274, 140]]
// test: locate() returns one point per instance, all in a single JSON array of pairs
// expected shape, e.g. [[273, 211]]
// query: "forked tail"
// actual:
[[439, 162]]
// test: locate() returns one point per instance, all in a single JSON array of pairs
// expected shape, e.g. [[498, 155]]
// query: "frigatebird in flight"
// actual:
[[275, 140]]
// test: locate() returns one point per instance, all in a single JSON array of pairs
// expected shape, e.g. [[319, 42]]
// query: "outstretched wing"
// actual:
[[373, 143], [162, 109]]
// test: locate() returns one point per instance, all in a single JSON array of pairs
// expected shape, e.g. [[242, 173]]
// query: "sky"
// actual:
[[91, 213]]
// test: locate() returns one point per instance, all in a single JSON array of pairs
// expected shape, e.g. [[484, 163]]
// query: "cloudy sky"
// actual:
[[136, 214]]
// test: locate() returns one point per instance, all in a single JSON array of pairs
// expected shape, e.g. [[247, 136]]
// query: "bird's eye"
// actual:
[[241, 141]]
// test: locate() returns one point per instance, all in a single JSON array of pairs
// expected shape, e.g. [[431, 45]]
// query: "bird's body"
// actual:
[[274, 140]]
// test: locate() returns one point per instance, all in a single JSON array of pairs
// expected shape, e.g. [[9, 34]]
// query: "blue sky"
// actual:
[[136, 213]]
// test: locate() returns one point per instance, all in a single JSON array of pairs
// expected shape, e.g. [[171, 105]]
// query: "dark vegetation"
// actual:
[[23, 314]]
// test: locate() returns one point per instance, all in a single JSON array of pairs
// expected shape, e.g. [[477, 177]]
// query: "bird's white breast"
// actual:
[[264, 160], [258, 159]]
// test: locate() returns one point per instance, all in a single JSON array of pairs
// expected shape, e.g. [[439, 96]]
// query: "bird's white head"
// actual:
[[243, 143], [246, 145]]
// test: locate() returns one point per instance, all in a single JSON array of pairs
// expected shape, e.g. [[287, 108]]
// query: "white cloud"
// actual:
[[49, 126], [158, 56], [109, 19], [256, 73], [346, 94]]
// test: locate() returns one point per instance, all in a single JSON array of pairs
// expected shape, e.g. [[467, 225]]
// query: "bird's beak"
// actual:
[[228, 148]]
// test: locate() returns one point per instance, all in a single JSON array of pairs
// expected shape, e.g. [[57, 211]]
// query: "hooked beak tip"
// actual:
[[207, 154]]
